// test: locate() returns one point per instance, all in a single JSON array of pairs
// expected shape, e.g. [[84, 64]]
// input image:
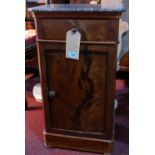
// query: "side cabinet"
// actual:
[[78, 95]]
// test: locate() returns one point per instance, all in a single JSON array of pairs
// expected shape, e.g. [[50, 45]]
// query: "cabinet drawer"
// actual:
[[91, 30]]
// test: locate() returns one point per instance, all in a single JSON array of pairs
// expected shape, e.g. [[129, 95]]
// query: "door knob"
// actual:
[[52, 93]]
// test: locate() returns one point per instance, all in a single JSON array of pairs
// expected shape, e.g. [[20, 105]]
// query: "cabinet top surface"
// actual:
[[79, 8]]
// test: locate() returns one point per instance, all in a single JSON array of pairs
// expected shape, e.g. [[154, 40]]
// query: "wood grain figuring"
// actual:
[[56, 29], [103, 53], [72, 142], [77, 104]]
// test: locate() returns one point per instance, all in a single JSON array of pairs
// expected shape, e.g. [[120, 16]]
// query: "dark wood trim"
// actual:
[[82, 42], [65, 15], [76, 143]]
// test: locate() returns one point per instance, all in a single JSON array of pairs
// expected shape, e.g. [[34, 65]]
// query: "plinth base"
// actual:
[[77, 143]]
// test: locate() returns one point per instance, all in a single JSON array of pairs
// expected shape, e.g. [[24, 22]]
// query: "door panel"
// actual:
[[80, 87]]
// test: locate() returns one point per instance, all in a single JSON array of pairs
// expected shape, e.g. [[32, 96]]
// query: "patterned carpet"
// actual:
[[34, 124]]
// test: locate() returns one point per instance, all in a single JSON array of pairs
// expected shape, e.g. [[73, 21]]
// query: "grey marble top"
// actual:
[[78, 8]]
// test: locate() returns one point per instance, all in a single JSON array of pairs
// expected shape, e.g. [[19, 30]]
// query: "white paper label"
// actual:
[[73, 44]]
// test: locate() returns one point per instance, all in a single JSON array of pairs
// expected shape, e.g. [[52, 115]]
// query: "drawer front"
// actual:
[[91, 30]]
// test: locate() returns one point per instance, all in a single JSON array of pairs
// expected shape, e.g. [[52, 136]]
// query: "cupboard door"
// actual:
[[77, 91]]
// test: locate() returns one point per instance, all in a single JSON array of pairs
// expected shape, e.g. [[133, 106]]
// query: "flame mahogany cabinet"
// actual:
[[78, 95]]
